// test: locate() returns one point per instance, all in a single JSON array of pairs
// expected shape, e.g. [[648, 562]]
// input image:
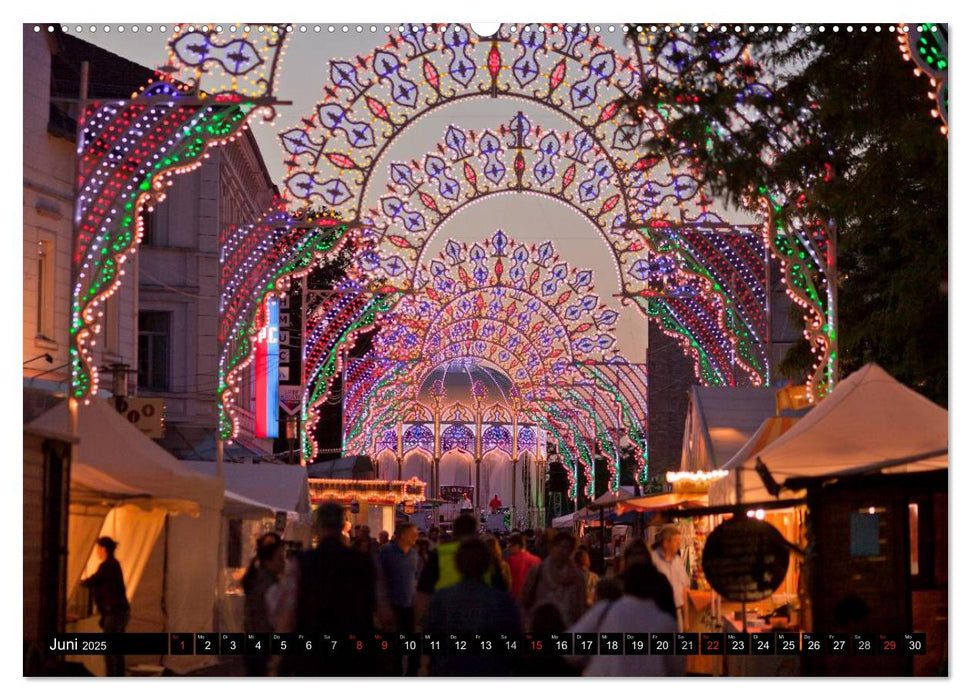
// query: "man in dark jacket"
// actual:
[[108, 587], [472, 607], [330, 591]]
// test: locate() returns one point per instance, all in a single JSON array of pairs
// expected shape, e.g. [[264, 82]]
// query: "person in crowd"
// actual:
[[582, 559], [441, 571], [495, 504], [472, 606], [330, 591], [383, 538], [635, 551], [500, 575], [263, 573], [399, 568], [666, 556], [346, 533], [546, 620], [520, 562], [466, 504], [558, 581], [595, 547], [608, 588], [544, 542], [646, 606], [434, 535], [422, 548], [107, 585]]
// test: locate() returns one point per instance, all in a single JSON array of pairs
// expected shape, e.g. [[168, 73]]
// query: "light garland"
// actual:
[[128, 154], [371, 490], [695, 478], [926, 45]]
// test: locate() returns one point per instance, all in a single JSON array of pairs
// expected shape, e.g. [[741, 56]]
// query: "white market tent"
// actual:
[[770, 430], [125, 486], [278, 486], [719, 422], [868, 418]]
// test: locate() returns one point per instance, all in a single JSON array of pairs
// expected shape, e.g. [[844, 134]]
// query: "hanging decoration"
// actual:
[[597, 169], [926, 45], [129, 151]]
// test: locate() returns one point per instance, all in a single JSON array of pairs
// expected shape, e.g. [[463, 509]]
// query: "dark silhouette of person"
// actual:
[[330, 591], [108, 587], [472, 606], [264, 571]]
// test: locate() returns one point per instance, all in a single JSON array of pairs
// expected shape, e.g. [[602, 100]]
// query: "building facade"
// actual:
[[178, 287]]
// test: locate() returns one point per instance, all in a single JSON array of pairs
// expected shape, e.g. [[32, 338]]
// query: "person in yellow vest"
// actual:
[[440, 571]]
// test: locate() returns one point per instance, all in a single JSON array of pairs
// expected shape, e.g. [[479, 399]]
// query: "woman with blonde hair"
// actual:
[[500, 575]]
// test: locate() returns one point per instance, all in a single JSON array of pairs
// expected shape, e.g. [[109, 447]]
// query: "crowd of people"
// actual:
[[459, 582]]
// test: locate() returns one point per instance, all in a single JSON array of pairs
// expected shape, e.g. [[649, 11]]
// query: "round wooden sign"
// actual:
[[745, 559]]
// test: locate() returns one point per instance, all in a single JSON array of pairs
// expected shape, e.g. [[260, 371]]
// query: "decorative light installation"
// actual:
[[128, 153], [670, 58], [256, 261], [519, 309], [597, 169], [334, 325], [926, 45]]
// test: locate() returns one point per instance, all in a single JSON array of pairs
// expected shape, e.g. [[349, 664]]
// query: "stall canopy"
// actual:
[[608, 499], [662, 502], [281, 487], [869, 418], [350, 467], [719, 422], [114, 458], [570, 518], [770, 430]]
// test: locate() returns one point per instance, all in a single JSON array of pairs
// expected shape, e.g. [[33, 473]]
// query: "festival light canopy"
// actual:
[[569, 137], [520, 310]]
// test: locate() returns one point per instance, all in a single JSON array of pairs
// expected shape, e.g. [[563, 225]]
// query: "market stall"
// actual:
[[165, 516]]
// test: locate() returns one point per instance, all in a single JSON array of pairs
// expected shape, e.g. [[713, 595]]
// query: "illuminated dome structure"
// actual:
[[468, 410]]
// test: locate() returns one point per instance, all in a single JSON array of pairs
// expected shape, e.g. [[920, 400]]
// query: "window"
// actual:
[[154, 329], [110, 324], [45, 289], [148, 227]]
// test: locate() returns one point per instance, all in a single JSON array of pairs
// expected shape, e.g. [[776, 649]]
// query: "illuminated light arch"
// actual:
[[257, 261], [478, 300], [801, 246], [371, 101], [130, 150], [351, 311], [926, 45]]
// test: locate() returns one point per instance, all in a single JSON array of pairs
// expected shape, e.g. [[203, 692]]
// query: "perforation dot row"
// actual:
[[358, 28]]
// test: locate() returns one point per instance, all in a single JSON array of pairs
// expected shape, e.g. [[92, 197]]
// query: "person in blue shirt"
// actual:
[[398, 562]]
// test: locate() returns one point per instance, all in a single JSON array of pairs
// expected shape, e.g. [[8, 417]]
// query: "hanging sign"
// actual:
[[291, 396], [455, 494], [148, 415], [268, 372], [745, 560]]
